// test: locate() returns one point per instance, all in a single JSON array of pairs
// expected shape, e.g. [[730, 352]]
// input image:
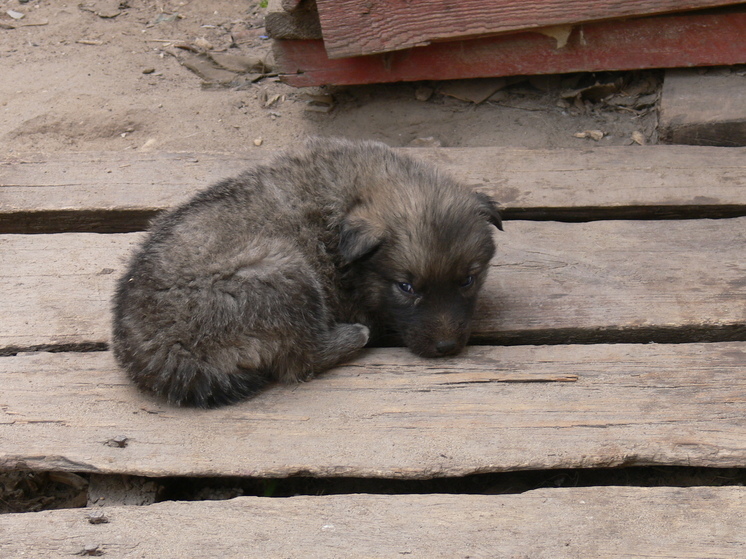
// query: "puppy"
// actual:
[[289, 269]]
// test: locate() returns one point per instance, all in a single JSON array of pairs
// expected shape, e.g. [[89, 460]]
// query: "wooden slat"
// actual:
[[111, 180], [360, 27], [702, 39], [41, 191], [701, 109], [550, 282], [391, 414], [601, 522], [55, 290]]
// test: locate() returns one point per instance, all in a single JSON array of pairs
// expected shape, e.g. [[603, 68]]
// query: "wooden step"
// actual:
[[703, 108], [390, 414], [599, 522], [119, 191], [549, 283]]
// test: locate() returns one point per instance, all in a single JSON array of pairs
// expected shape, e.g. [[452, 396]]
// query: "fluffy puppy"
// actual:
[[288, 269]]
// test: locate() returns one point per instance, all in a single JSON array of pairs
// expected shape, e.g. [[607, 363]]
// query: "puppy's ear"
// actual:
[[491, 212], [358, 237]]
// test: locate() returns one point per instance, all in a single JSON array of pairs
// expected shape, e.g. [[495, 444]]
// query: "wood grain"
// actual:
[[550, 282], [698, 39], [600, 522], [119, 191], [360, 27], [703, 109], [391, 414]]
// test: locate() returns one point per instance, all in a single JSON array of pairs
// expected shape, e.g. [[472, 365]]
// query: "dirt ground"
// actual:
[[109, 75]]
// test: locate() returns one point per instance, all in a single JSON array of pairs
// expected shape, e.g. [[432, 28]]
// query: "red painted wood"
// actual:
[[695, 39], [360, 27]]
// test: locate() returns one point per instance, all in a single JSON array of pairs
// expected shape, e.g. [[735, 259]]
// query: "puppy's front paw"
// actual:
[[356, 335]]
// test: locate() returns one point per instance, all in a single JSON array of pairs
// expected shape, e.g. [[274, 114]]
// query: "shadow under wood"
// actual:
[[72, 221], [82, 347], [652, 334], [129, 221], [26, 491], [558, 336], [586, 214]]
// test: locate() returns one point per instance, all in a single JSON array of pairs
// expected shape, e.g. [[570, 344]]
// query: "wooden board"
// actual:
[[547, 276], [122, 190], [360, 27], [601, 522], [391, 414], [702, 109], [549, 283], [55, 290], [702, 39]]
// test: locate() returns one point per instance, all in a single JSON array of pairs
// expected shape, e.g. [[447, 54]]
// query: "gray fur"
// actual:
[[283, 271]]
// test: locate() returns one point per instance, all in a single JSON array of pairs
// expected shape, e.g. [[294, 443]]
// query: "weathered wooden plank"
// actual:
[[112, 180], [599, 522], [550, 282], [360, 27], [391, 414], [702, 39], [108, 191], [56, 289], [703, 109]]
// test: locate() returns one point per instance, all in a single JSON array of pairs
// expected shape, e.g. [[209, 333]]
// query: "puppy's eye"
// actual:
[[406, 287], [468, 280]]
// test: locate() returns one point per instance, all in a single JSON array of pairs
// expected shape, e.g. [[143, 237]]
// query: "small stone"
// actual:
[[97, 517], [120, 441], [91, 550], [148, 71], [203, 44], [258, 142], [423, 93], [319, 99], [319, 108]]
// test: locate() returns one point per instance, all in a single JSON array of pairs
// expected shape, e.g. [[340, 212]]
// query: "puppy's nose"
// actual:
[[444, 347]]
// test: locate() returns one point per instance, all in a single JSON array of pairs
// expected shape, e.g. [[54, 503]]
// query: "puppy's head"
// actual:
[[421, 260]]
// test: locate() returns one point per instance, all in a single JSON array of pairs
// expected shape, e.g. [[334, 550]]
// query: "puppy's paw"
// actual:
[[340, 344], [356, 335]]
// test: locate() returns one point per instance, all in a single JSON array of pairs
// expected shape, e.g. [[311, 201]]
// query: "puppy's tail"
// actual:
[[184, 380]]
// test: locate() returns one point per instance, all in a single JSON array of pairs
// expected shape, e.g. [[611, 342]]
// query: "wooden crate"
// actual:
[[571, 43]]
